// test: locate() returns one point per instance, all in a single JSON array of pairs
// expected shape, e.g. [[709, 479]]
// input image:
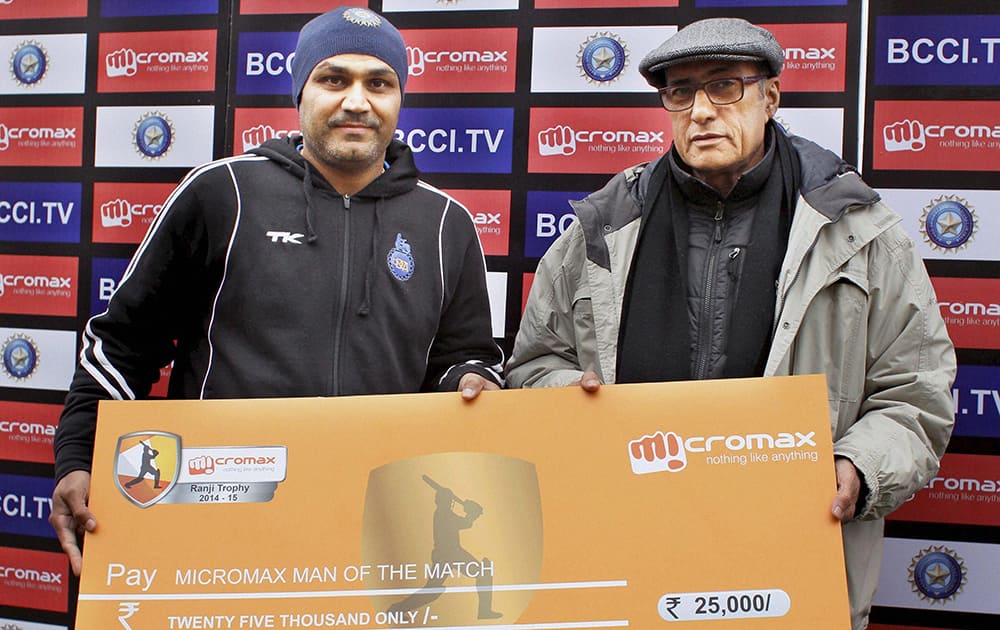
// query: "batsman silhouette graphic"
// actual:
[[148, 457], [448, 549]]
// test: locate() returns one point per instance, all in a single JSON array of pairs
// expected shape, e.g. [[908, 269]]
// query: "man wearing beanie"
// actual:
[[319, 265], [744, 252]]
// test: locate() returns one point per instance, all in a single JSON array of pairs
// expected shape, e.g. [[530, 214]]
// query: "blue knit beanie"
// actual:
[[346, 30]]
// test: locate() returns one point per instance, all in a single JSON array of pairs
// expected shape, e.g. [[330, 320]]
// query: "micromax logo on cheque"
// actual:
[[667, 451], [206, 465]]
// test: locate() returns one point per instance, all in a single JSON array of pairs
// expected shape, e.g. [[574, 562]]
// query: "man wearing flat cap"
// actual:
[[315, 265], [744, 252]]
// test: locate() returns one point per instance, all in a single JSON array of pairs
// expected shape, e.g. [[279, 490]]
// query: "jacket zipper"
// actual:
[[705, 314], [338, 329]]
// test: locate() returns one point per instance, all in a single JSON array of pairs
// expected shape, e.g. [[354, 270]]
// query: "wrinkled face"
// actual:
[[348, 111], [720, 142]]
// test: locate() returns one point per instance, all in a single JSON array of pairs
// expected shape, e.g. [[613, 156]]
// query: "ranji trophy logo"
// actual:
[[462, 533], [147, 465]]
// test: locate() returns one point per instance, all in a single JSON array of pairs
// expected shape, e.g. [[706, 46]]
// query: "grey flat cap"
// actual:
[[730, 39]]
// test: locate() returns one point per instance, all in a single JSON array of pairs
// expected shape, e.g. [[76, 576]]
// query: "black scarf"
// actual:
[[654, 338]]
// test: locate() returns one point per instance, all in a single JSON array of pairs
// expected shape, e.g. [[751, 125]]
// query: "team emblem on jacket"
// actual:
[[399, 260]]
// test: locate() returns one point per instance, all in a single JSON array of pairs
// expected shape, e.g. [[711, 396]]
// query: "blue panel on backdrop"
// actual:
[[124, 8], [474, 140], [769, 3], [547, 215], [104, 277], [40, 212], [937, 50], [27, 502], [263, 65], [977, 401]]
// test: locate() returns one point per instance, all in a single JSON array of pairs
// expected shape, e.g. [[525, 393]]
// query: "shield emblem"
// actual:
[[463, 532], [147, 465]]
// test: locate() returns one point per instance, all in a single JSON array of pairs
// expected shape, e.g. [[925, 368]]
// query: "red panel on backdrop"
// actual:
[[965, 491], [936, 135], [26, 431], [156, 61], [296, 6], [254, 125], [815, 56], [38, 285], [971, 310], [461, 60], [45, 580], [490, 211], [28, 9], [41, 136], [123, 211], [595, 140]]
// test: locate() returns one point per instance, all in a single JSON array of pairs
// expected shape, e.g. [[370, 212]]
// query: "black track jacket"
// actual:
[[257, 279]]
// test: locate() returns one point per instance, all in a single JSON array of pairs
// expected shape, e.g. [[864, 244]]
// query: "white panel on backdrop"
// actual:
[[950, 224], [154, 136], [44, 64], [37, 359], [593, 58], [822, 125], [940, 575], [496, 284], [388, 6]]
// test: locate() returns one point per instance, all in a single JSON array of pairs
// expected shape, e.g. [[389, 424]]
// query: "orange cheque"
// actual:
[[701, 504]]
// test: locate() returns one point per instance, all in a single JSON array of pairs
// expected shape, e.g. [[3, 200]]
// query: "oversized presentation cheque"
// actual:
[[703, 504]]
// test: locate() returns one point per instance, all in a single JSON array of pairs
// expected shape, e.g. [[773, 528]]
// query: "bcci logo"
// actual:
[[602, 58], [948, 223], [464, 525], [153, 135], [20, 357], [362, 17], [400, 260], [937, 574], [147, 465], [28, 63]]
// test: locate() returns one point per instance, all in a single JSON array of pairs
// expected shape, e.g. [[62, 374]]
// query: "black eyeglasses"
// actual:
[[677, 98]]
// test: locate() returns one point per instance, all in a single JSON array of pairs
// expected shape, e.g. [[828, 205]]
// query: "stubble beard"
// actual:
[[343, 157], [349, 157]]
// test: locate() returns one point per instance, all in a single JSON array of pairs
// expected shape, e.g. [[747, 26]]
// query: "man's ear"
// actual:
[[772, 96]]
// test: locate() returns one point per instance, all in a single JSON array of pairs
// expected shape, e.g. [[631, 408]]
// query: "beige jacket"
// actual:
[[854, 302]]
